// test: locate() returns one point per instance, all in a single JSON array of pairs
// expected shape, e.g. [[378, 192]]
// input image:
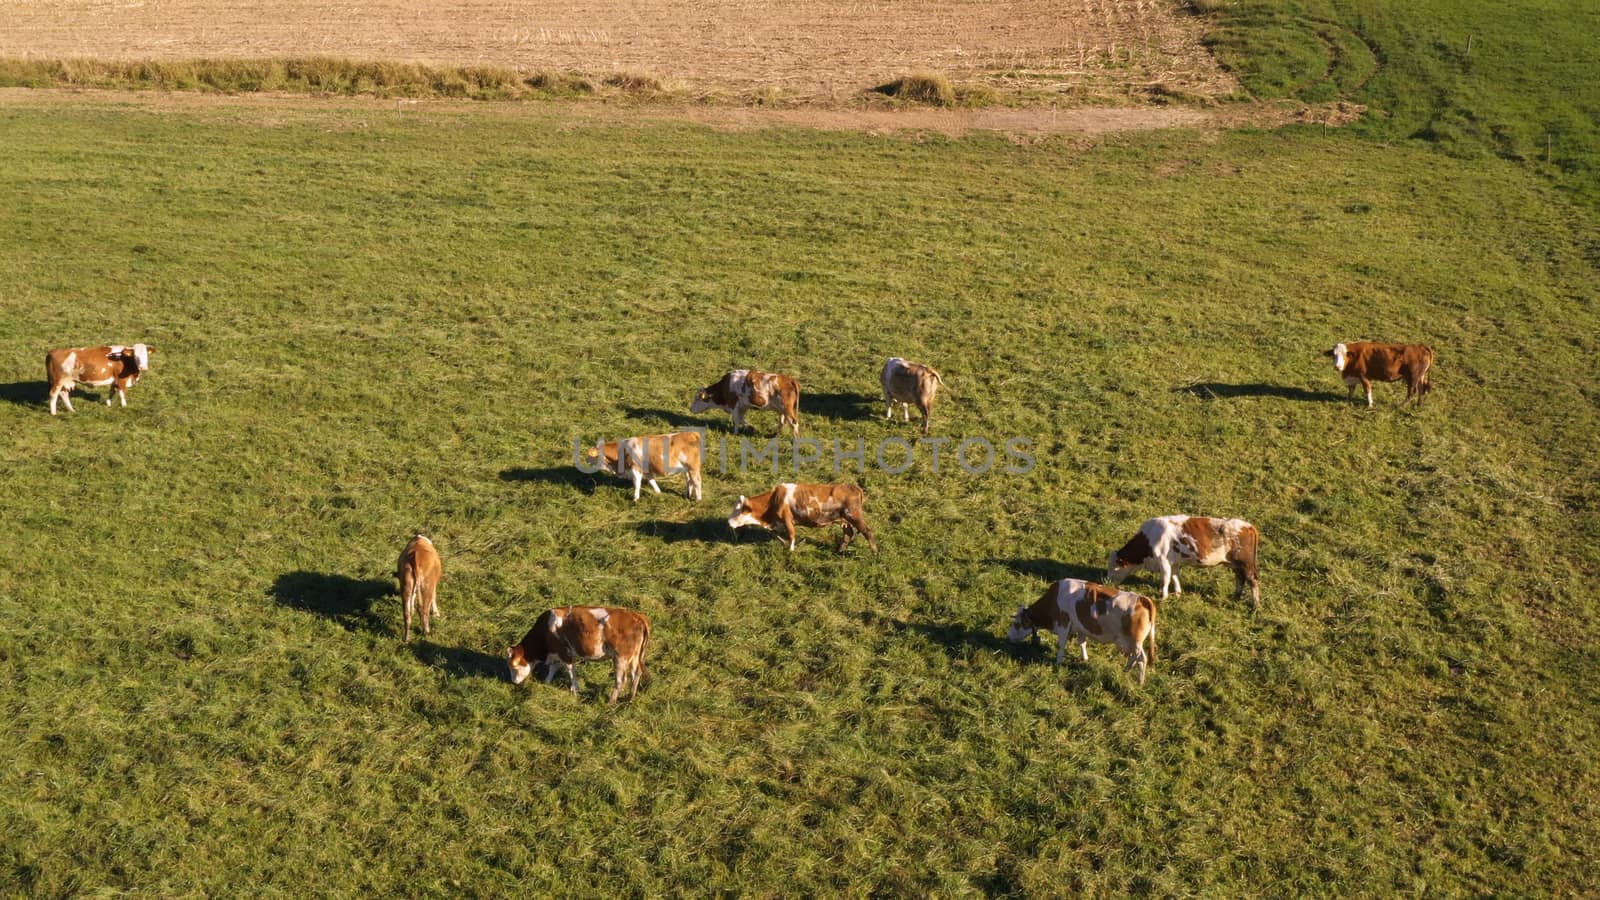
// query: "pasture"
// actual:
[[372, 323]]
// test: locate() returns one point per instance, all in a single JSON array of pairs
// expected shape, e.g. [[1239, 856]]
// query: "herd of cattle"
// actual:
[[1069, 609]]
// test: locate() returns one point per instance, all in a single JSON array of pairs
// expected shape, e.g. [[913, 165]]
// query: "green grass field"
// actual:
[[371, 323]]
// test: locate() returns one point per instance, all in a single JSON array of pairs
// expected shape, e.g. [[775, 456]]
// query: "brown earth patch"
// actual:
[[810, 49]]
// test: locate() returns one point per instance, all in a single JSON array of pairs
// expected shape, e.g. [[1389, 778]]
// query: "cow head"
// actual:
[[742, 514], [138, 355], [703, 401], [518, 665], [1022, 627], [1338, 353], [1118, 568], [596, 461]]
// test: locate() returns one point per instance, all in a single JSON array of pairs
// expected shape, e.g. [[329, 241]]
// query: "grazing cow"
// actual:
[[907, 383], [1090, 612], [116, 365], [567, 635], [1363, 363], [744, 389], [807, 504], [648, 458], [1164, 544], [419, 571]]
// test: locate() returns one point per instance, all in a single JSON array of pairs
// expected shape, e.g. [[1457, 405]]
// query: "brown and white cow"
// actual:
[[1090, 612], [648, 458], [418, 572], [744, 389], [1362, 363], [907, 383], [1164, 544], [117, 365], [567, 635], [817, 505]]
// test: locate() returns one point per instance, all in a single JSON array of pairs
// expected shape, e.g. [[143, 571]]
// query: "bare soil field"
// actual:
[[808, 49]]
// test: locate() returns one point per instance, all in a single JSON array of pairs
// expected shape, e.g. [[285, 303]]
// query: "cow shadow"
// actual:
[[960, 641], [26, 393], [341, 598], [708, 531], [1049, 569], [1216, 390], [460, 662], [841, 405], [567, 476], [669, 417]]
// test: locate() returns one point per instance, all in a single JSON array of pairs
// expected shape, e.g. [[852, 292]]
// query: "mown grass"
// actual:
[[374, 324], [1512, 79]]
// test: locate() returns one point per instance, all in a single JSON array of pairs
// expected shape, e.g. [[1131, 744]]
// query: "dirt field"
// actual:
[[808, 48]]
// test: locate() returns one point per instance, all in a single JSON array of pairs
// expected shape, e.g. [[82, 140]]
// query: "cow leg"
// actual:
[[549, 671], [859, 522], [1367, 386], [638, 479], [655, 487], [572, 678], [788, 527], [927, 414], [905, 411], [738, 419], [122, 395], [406, 602], [888, 412], [616, 681], [1136, 658], [1166, 576], [1061, 646], [1083, 647], [849, 533]]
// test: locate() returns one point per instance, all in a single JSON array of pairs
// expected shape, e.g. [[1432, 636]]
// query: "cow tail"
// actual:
[[1251, 538], [414, 596], [1152, 657]]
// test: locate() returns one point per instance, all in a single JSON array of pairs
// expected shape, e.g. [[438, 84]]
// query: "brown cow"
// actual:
[[1090, 612], [648, 458], [116, 365], [1363, 363], [567, 635], [1165, 543], [907, 383], [418, 571], [744, 389], [808, 504]]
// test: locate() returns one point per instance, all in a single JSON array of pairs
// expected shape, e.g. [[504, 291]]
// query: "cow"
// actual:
[[744, 389], [1362, 363], [567, 635], [907, 383], [418, 572], [647, 458], [1071, 608], [1164, 544], [808, 504], [117, 365]]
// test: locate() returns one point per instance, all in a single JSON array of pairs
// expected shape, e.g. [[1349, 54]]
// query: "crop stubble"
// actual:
[[816, 49]]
